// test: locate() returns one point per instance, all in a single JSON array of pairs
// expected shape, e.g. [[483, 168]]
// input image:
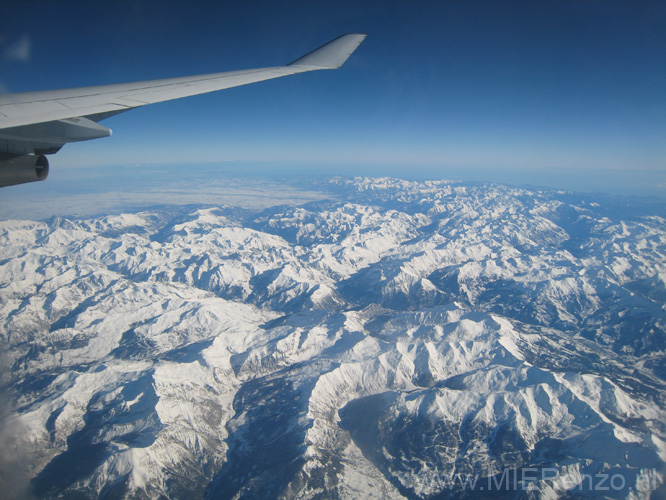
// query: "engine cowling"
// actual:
[[19, 169]]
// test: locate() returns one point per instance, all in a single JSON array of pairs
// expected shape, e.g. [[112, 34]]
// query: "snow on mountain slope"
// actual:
[[404, 340]]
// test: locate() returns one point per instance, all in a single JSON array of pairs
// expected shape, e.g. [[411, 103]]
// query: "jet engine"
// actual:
[[19, 169]]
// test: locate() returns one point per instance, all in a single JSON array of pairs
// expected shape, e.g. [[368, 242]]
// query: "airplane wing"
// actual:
[[33, 124]]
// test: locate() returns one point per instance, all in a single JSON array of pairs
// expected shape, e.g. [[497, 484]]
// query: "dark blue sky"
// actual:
[[468, 85]]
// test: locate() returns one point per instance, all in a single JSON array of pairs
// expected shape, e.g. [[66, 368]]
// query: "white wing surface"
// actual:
[[37, 123]]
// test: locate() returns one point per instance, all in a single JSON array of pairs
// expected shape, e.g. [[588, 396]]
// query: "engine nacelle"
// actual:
[[19, 169]]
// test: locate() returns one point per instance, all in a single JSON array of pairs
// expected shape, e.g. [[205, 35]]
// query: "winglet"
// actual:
[[333, 54]]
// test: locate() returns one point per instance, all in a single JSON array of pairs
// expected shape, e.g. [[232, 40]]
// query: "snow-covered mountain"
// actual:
[[400, 340]]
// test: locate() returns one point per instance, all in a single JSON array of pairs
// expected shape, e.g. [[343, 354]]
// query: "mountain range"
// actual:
[[399, 339]]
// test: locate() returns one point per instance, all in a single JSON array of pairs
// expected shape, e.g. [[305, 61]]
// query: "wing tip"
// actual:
[[333, 54]]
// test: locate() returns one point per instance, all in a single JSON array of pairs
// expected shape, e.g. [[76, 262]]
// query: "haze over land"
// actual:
[[113, 189]]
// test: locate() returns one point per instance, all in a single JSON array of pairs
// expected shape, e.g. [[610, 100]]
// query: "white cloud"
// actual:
[[19, 50]]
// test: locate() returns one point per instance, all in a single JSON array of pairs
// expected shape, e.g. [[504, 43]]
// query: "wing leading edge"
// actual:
[[42, 122]]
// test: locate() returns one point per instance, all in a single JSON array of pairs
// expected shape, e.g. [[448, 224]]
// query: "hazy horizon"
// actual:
[[98, 190]]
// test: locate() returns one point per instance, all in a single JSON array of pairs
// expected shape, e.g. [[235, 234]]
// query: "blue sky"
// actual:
[[437, 87]]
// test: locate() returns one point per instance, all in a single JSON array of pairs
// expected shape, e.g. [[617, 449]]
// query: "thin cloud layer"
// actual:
[[18, 51]]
